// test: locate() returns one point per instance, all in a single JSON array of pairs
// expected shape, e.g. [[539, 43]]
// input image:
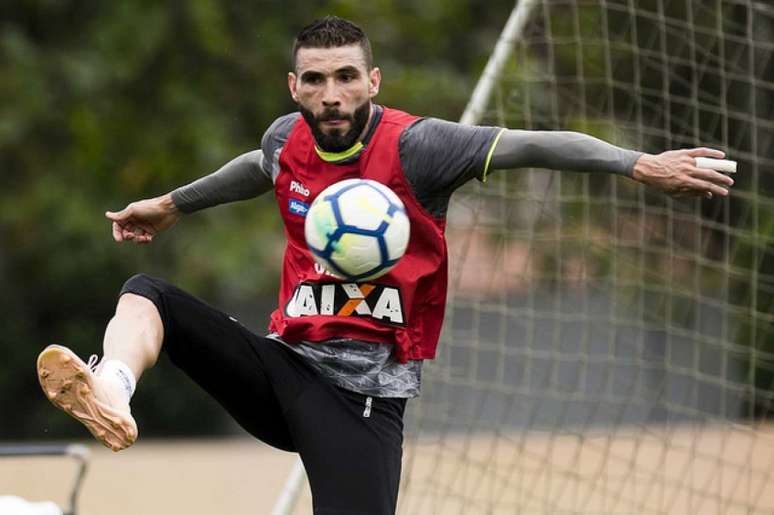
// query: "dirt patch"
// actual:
[[159, 478]]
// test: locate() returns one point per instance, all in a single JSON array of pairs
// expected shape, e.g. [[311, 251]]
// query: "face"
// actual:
[[333, 89]]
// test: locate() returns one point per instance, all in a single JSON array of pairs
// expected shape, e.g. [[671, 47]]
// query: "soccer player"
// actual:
[[332, 387]]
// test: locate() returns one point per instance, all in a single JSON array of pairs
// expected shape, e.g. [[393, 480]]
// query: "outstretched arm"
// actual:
[[673, 172], [239, 179]]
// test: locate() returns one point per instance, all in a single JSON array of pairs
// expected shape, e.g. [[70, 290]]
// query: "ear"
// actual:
[[374, 81], [292, 80]]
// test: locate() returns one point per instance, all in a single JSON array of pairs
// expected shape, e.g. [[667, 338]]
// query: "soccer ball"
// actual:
[[357, 229]]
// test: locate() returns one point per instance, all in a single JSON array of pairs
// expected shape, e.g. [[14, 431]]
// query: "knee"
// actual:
[[140, 310], [140, 283], [143, 295], [139, 305], [151, 288]]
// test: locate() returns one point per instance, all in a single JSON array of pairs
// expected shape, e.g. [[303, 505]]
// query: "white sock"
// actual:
[[119, 373]]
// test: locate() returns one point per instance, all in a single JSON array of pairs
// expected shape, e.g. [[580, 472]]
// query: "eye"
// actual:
[[312, 78], [347, 76]]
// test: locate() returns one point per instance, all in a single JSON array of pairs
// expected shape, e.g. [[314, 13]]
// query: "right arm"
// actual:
[[674, 172], [241, 178]]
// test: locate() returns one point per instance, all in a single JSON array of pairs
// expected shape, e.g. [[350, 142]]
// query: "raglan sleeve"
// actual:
[[438, 157], [273, 141]]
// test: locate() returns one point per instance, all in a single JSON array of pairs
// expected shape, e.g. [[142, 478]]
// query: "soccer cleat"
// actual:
[[72, 386]]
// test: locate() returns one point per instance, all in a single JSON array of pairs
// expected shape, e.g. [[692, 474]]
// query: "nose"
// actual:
[[331, 97]]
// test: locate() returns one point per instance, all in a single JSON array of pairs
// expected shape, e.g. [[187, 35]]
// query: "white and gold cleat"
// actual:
[[72, 386]]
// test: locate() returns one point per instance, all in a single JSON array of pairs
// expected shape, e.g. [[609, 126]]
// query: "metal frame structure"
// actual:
[[78, 452]]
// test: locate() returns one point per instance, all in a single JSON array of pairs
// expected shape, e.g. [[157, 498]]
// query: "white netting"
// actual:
[[608, 349]]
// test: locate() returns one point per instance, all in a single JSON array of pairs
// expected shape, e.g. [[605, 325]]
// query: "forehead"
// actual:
[[328, 60]]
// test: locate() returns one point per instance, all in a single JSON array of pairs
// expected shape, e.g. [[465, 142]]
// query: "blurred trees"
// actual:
[[102, 103]]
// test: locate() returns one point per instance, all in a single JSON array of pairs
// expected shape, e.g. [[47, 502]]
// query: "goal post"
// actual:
[[503, 50]]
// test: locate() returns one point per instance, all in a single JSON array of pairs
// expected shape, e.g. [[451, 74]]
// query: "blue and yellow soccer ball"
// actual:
[[357, 229]]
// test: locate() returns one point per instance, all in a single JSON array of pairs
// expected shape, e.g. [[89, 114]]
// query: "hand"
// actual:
[[675, 172], [141, 221]]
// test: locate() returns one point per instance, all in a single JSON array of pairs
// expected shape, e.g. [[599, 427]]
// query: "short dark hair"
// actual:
[[329, 32]]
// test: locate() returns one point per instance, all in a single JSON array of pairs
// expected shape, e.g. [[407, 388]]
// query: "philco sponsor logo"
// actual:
[[297, 187], [382, 303], [297, 207], [322, 270]]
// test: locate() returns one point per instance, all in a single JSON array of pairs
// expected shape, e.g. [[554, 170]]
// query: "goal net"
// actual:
[[607, 349]]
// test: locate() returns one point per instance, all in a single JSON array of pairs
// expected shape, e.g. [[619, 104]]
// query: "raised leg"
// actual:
[[134, 334], [98, 396]]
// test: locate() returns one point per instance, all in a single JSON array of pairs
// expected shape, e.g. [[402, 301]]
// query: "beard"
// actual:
[[336, 140]]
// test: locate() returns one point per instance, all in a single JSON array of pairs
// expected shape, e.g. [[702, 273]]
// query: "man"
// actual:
[[331, 387]]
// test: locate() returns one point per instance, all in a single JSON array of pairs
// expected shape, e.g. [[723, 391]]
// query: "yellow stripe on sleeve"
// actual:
[[490, 154]]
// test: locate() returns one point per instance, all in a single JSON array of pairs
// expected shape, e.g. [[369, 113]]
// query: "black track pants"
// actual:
[[351, 447]]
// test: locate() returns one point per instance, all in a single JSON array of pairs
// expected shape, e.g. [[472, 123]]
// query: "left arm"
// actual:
[[673, 172]]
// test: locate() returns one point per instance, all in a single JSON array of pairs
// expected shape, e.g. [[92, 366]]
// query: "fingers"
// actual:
[[131, 232], [704, 181], [710, 183], [142, 235], [719, 165], [705, 188], [712, 176], [713, 189], [117, 232], [137, 237], [119, 216], [119, 219], [706, 152]]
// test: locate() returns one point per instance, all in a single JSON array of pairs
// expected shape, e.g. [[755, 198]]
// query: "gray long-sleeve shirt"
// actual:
[[437, 157]]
